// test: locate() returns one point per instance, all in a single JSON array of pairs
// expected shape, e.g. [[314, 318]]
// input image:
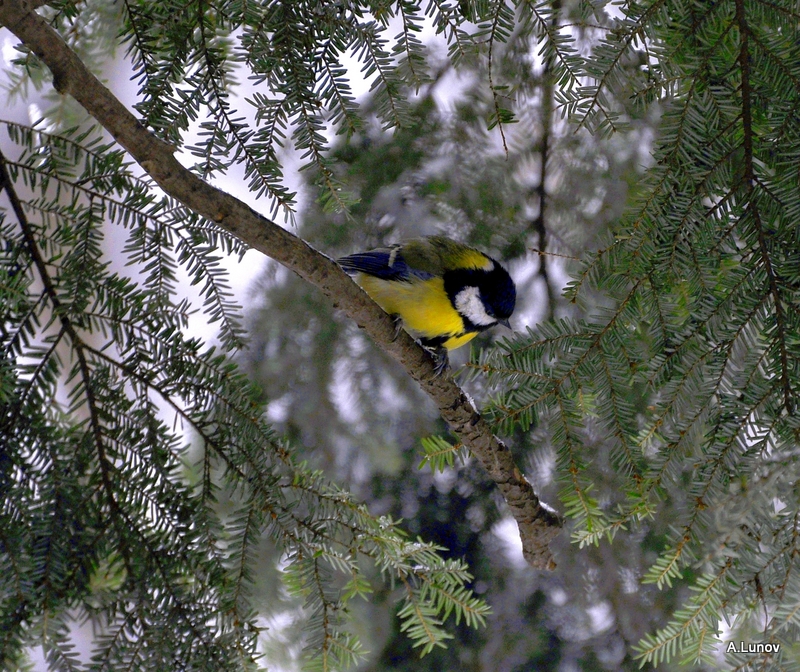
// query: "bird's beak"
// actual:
[[505, 323]]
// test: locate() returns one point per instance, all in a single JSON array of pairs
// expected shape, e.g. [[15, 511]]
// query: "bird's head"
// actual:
[[482, 296]]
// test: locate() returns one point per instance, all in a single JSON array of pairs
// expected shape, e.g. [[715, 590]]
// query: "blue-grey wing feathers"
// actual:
[[383, 263]]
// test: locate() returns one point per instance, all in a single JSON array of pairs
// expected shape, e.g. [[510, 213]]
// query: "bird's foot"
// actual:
[[440, 358], [398, 326]]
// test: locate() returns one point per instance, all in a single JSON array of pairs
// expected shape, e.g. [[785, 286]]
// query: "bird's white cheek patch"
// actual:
[[469, 304]]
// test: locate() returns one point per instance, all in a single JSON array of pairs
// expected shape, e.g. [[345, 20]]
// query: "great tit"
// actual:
[[442, 292]]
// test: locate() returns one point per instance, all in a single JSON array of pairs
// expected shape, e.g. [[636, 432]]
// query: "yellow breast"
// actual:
[[423, 306]]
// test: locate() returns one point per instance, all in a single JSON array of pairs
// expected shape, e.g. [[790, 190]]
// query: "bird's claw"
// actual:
[[440, 358], [398, 326]]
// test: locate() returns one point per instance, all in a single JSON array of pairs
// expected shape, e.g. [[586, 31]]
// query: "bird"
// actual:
[[442, 292]]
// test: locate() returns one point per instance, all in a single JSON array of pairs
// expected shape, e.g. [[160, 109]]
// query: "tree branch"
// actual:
[[537, 525], [749, 184], [67, 327], [547, 89]]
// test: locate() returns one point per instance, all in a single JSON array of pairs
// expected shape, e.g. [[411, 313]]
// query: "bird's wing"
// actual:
[[383, 263]]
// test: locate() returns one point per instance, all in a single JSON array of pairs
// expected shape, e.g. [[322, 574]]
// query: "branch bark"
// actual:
[[547, 88], [537, 525]]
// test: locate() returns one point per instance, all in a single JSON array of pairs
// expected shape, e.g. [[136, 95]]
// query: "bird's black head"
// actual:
[[498, 292], [483, 297]]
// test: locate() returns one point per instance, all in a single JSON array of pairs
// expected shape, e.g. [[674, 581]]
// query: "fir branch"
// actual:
[[695, 333], [340, 93], [564, 63], [385, 86], [410, 44], [499, 30], [196, 423], [67, 326], [578, 502], [633, 30], [227, 128], [420, 623], [702, 607], [453, 597], [447, 20], [86, 385], [201, 264], [44, 363], [619, 429], [7, 546], [749, 180]]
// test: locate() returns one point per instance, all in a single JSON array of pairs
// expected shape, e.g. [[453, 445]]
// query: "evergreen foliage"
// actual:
[[704, 321], [137, 469], [107, 514]]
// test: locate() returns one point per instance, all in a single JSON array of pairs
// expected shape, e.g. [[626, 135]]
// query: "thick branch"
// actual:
[[537, 525]]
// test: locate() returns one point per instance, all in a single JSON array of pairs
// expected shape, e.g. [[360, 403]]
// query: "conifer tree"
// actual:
[[137, 469]]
